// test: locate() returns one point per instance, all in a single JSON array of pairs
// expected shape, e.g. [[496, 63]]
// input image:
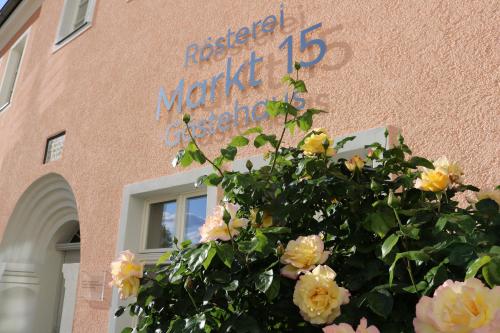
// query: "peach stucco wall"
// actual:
[[430, 68]]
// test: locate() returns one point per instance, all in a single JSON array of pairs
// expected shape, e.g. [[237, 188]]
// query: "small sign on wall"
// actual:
[[93, 285]]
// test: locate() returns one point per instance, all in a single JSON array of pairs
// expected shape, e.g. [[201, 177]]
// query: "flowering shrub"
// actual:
[[311, 243]]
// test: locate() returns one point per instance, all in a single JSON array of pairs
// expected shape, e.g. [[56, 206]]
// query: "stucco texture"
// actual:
[[430, 68]]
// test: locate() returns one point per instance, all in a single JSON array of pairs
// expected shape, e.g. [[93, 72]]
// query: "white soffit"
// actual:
[[17, 19]]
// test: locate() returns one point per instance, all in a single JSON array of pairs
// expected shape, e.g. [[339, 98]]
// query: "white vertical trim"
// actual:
[[70, 274]]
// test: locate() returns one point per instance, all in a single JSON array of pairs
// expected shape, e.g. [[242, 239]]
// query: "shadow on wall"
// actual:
[[240, 111]]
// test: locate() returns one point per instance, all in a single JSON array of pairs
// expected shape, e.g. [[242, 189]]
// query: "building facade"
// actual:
[[92, 94]]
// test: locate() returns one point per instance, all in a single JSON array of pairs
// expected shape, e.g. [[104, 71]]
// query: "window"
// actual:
[[76, 15], [178, 217], [11, 71], [54, 148]]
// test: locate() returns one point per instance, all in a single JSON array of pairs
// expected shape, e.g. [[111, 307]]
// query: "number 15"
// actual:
[[304, 44]]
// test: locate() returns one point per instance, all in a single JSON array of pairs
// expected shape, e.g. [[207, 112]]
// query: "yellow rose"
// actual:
[[125, 273], [355, 163], [266, 222], [318, 296], [302, 255], [215, 228], [314, 144], [452, 169], [493, 195], [432, 180], [459, 307]]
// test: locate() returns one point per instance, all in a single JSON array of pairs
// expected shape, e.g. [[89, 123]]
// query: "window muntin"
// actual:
[[76, 14], [168, 217], [12, 71]]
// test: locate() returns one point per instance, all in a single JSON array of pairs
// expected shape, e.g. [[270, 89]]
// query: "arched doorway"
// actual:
[[39, 260]]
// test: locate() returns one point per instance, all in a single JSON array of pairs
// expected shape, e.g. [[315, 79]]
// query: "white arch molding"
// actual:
[[30, 265]]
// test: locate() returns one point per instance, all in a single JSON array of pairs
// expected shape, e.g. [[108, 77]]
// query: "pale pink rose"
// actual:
[[459, 307], [346, 328], [215, 228]]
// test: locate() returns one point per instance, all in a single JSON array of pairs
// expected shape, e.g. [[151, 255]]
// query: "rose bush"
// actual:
[[312, 243]]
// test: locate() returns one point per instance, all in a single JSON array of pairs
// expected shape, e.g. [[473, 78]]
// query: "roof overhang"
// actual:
[[13, 17], [7, 9]]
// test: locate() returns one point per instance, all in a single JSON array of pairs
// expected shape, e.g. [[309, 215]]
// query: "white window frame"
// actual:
[[180, 218], [63, 39], [135, 196], [135, 200], [22, 39]]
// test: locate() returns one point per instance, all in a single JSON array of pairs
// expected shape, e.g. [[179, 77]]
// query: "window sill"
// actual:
[[73, 35], [4, 107]]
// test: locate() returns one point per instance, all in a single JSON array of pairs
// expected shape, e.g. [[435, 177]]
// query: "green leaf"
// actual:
[[315, 111], [305, 121], [388, 244], [262, 139], [491, 272], [232, 286], [183, 158], [380, 222], [218, 161], [436, 276], [274, 108], [339, 145], [275, 230], [274, 289], [257, 244], [416, 161], [287, 79], [252, 130], [299, 86], [210, 256], [488, 207], [464, 222], [264, 280], [461, 254], [239, 141], [164, 257], [245, 324], [191, 146], [476, 265], [225, 253], [198, 156], [411, 255], [198, 256], [290, 125], [127, 330], [495, 250], [380, 302], [229, 153], [212, 179]]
